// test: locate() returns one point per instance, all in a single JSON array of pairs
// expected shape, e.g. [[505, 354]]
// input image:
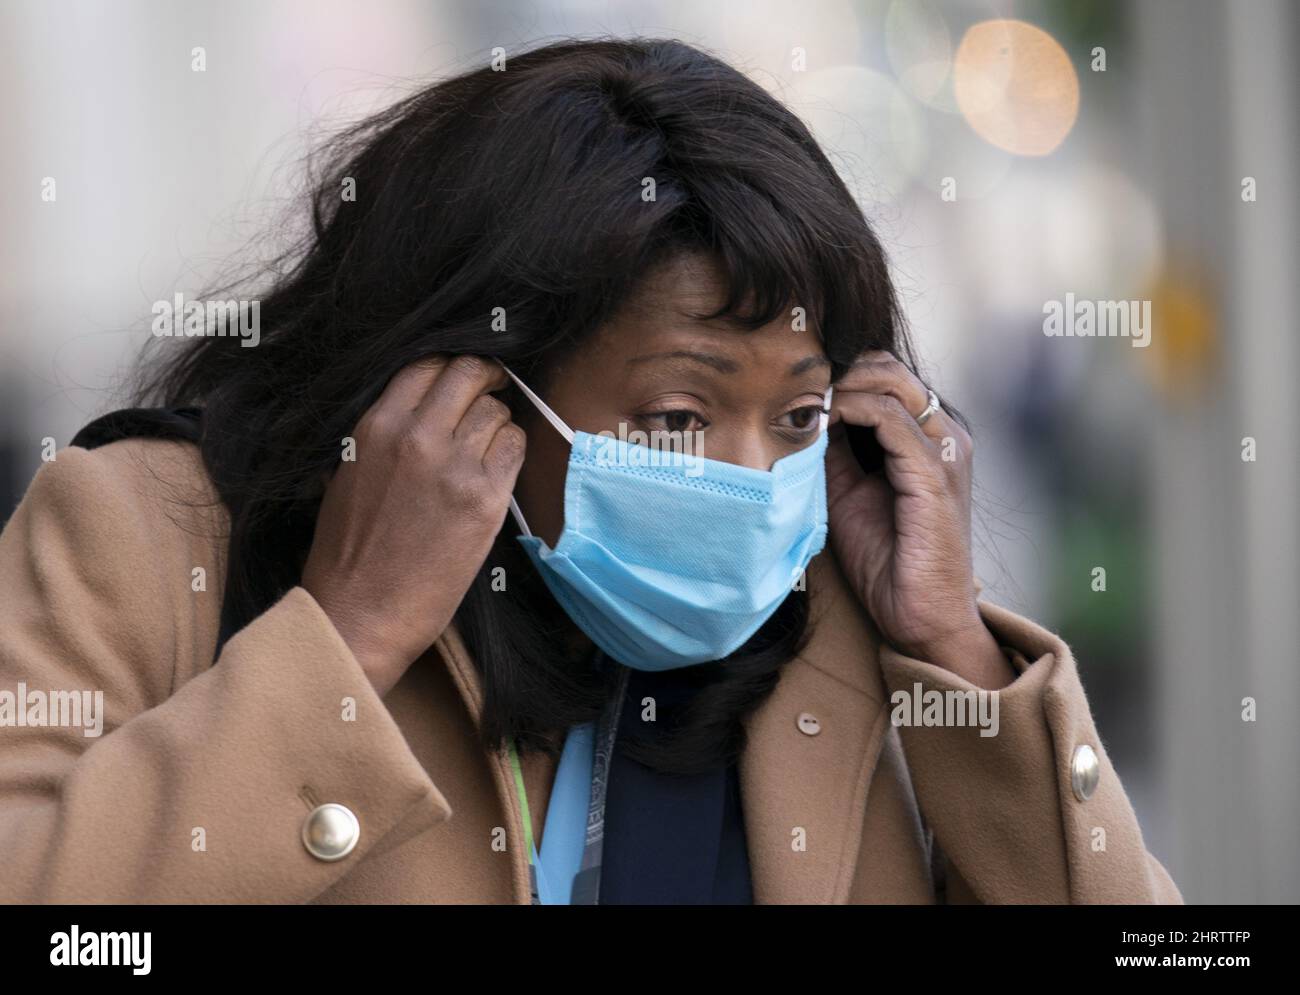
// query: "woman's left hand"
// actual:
[[902, 535]]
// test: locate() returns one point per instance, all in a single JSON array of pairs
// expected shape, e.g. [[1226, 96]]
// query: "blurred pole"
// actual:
[[1217, 103], [1265, 84]]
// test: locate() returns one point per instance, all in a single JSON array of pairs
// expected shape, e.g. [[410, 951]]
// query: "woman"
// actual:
[[396, 607]]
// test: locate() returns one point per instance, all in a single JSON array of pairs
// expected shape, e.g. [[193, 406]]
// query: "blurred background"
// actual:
[[1009, 153]]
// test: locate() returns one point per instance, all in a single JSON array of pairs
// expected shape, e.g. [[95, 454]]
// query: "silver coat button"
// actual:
[[1084, 772], [808, 724], [330, 832]]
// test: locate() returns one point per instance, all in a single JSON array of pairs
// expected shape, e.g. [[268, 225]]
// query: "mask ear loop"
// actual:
[[519, 516], [542, 406], [551, 417]]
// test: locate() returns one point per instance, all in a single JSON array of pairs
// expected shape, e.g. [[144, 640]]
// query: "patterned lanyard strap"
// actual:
[[586, 884]]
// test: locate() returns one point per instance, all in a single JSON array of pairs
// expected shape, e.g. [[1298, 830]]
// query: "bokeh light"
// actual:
[[1016, 86], [919, 48], [868, 127]]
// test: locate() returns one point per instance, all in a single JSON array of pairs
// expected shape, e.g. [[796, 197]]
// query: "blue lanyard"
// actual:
[[567, 870]]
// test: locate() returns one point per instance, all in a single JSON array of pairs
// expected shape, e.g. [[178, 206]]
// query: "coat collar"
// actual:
[[811, 752]]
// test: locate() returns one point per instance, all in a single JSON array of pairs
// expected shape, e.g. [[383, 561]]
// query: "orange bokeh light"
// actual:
[[1015, 86]]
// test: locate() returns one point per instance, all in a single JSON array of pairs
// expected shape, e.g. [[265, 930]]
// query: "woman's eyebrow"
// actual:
[[807, 363], [724, 365], [720, 363]]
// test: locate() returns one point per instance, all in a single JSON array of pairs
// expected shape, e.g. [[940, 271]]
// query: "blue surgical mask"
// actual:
[[669, 559]]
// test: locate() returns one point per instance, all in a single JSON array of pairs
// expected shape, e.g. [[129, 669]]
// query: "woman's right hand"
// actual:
[[403, 529]]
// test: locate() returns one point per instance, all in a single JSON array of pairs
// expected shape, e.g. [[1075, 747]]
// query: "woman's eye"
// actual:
[[675, 421], [803, 419]]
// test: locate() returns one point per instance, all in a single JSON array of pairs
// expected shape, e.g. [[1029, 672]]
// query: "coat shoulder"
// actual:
[[128, 539], [161, 486]]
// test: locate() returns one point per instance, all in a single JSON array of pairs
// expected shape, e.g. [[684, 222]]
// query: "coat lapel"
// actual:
[[812, 750], [454, 653]]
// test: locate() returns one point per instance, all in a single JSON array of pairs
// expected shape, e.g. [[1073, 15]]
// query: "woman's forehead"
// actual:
[[706, 348], [668, 310]]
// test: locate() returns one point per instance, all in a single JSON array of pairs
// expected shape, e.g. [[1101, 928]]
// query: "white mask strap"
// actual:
[[519, 516], [543, 407], [551, 417], [826, 409]]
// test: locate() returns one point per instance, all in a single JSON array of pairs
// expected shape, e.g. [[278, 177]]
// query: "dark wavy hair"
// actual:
[[522, 189]]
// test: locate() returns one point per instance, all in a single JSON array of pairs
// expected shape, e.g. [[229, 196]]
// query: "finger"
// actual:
[[465, 378], [896, 430], [485, 416], [880, 372], [505, 454], [912, 391], [409, 385]]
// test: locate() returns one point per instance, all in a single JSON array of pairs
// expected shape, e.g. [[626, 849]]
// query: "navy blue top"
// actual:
[[670, 839]]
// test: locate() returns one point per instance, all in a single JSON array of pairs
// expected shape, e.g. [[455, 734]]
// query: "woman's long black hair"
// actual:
[[525, 190]]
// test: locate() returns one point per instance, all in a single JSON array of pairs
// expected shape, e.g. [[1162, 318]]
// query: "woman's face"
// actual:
[[744, 397]]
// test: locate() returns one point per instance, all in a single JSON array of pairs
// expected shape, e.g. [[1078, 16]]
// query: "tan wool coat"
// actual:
[[198, 785]]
